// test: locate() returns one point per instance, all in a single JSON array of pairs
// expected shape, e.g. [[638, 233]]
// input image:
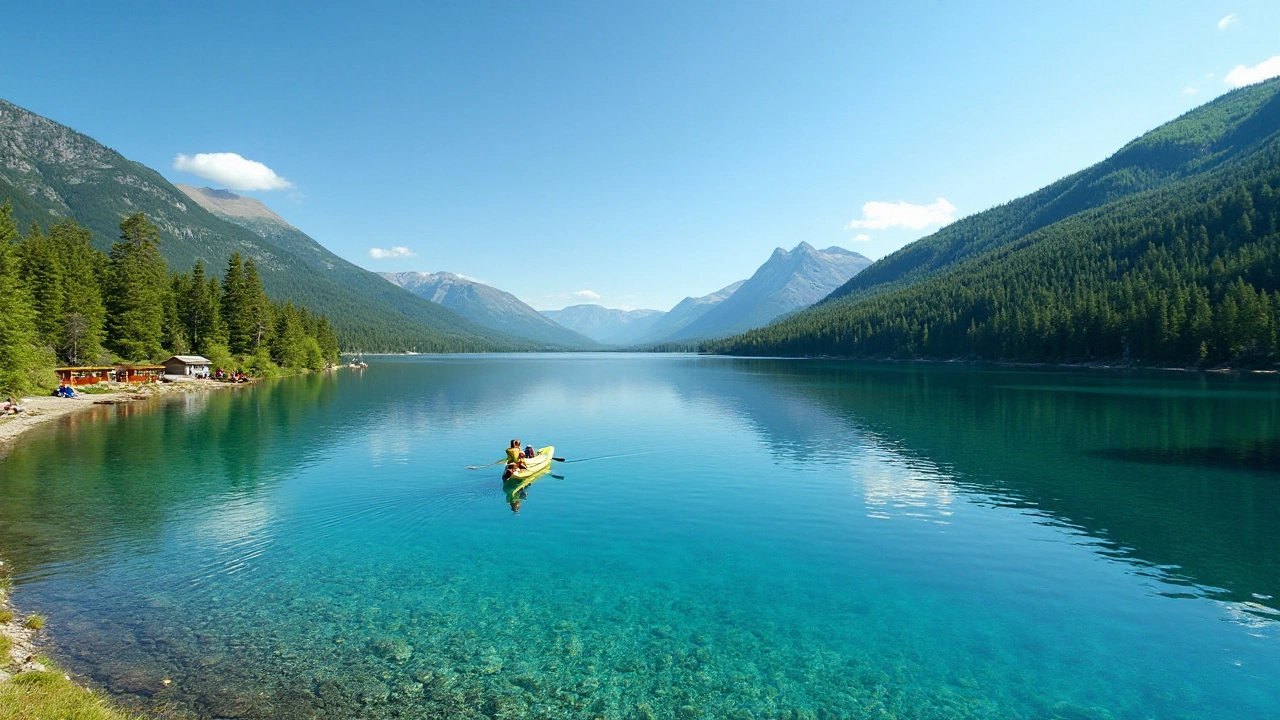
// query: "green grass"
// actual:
[[5, 645], [34, 622], [51, 696], [99, 389], [5, 616]]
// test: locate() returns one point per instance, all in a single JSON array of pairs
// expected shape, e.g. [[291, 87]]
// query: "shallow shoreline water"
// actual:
[[41, 409]]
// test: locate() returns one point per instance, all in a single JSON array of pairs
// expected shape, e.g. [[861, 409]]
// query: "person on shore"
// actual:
[[10, 407]]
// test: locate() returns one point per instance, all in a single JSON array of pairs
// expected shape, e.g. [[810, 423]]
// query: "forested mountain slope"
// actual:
[[1187, 271], [488, 306], [51, 172], [1227, 129]]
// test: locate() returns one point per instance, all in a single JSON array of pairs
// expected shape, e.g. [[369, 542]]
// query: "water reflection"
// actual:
[[1258, 455], [1176, 474]]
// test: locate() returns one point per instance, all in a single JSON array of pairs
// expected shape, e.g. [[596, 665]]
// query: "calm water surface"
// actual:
[[731, 539]]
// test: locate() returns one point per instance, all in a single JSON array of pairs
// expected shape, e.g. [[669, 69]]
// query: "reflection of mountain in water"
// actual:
[[1175, 473]]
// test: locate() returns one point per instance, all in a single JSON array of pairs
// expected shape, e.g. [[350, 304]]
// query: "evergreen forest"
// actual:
[[64, 302]]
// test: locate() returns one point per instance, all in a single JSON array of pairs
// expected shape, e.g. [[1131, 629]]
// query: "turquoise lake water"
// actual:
[[730, 539]]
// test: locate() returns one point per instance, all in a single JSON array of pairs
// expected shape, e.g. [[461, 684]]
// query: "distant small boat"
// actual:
[[535, 465]]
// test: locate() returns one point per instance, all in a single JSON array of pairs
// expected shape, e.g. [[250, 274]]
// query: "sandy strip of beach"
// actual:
[[43, 409]]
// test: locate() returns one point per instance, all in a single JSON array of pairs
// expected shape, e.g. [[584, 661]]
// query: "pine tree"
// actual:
[[137, 290], [24, 366], [83, 325], [288, 344], [236, 312], [257, 306], [41, 270]]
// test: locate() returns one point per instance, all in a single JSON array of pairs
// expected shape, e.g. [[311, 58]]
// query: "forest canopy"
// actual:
[[64, 302]]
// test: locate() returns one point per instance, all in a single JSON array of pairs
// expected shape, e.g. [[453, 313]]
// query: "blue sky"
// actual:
[[624, 153]]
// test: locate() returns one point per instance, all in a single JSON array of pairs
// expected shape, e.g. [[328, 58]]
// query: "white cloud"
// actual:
[[877, 215], [1265, 70], [231, 170], [1189, 90], [1228, 21], [861, 237], [588, 294], [396, 252]]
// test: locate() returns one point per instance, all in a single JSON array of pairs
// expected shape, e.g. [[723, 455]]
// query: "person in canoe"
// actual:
[[513, 452], [529, 452]]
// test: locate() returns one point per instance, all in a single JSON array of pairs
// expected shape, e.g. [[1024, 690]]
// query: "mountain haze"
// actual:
[[786, 282], [51, 173], [607, 325], [686, 311], [488, 306]]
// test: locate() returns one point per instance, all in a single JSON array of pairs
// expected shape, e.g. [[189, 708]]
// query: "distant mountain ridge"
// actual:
[[50, 172], [685, 312], [788, 281], [606, 325], [488, 306]]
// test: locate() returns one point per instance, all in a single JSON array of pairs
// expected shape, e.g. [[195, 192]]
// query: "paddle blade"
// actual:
[[558, 459]]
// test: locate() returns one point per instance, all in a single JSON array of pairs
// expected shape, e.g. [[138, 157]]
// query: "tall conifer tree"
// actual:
[[137, 285], [84, 314], [24, 366]]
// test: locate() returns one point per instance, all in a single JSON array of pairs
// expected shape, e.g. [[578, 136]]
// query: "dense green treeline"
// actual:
[[62, 301], [1185, 275]]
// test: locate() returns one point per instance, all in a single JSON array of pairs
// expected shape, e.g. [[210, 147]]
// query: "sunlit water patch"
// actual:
[[739, 539]]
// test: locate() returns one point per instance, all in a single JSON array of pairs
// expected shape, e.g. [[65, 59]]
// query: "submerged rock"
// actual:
[[393, 649]]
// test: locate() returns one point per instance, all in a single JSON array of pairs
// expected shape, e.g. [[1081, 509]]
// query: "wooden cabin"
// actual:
[[76, 376], [138, 373], [195, 365]]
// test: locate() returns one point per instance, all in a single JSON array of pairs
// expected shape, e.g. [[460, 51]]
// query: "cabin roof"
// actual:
[[190, 359]]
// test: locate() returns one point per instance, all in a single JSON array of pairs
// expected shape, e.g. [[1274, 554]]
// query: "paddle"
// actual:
[[477, 467], [495, 462]]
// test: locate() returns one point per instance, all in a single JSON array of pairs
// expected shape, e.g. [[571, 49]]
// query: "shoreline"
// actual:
[[22, 654], [1104, 365], [42, 409]]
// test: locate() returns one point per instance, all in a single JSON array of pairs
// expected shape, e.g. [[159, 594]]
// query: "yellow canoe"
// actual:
[[535, 465]]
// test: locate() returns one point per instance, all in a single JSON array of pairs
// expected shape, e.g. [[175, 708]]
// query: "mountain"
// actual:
[[606, 325], [685, 312], [786, 282], [243, 211], [1166, 252], [1213, 135], [50, 173], [488, 306]]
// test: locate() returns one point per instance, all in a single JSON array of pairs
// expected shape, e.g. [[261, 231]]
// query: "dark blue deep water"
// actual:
[[731, 539]]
